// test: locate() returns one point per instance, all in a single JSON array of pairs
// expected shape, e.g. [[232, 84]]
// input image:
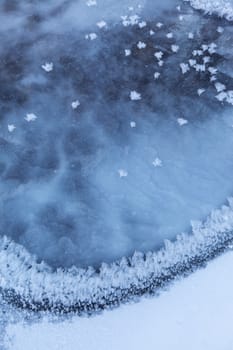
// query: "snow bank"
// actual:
[[223, 8], [195, 314], [28, 284]]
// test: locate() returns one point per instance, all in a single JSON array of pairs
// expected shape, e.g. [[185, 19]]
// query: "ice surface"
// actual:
[[79, 185]]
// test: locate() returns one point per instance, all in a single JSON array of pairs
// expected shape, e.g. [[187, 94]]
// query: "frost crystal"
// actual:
[[47, 67], [91, 3], [182, 121], [127, 52], [101, 24], [184, 68], [135, 96], [11, 127], [30, 117], [157, 162], [141, 45], [122, 173], [175, 48], [75, 104]]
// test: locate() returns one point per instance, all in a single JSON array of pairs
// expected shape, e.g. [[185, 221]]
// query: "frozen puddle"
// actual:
[[115, 134]]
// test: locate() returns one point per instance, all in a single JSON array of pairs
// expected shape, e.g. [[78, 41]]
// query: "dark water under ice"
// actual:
[[114, 175]]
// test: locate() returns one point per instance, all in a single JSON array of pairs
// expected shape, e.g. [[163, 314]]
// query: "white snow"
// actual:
[[194, 313]]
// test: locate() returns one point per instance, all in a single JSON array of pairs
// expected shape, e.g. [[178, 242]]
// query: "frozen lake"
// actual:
[[116, 126]]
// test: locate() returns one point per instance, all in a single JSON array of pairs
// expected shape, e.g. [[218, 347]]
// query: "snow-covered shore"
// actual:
[[196, 313]]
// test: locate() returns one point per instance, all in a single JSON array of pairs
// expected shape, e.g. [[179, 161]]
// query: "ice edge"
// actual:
[[34, 286]]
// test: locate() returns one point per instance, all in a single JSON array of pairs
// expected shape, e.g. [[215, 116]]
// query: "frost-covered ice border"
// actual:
[[222, 8], [34, 286]]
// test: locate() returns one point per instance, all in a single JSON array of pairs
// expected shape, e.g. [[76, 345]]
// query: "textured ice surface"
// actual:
[[79, 184], [223, 8]]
